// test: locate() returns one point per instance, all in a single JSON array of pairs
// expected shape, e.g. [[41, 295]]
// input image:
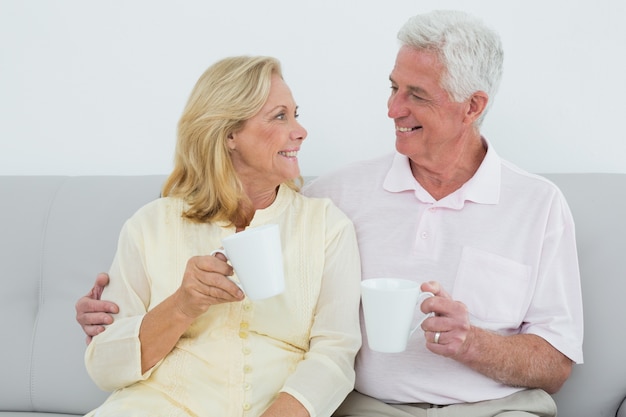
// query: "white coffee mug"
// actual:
[[257, 258], [390, 306]]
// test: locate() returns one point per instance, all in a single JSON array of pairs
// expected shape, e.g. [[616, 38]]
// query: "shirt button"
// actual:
[[247, 387], [243, 325], [247, 369], [246, 406], [246, 350], [243, 334], [247, 307], [424, 235]]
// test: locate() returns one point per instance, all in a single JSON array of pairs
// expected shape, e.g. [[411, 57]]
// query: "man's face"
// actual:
[[427, 121]]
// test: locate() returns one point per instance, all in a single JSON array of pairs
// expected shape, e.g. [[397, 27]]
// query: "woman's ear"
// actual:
[[230, 142]]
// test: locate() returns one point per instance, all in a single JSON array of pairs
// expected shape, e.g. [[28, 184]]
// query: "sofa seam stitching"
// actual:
[[40, 295]]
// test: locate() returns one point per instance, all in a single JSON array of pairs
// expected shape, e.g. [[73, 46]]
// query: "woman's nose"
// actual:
[[299, 133]]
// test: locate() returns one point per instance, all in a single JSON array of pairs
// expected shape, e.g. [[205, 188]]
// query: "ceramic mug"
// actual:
[[390, 307], [256, 256]]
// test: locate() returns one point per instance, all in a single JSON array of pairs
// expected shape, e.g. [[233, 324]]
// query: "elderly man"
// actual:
[[495, 244]]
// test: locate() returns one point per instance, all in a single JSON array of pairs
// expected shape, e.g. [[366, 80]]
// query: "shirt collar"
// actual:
[[482, 188]]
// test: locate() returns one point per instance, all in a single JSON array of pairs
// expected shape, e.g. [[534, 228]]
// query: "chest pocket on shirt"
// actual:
[[495, 289]]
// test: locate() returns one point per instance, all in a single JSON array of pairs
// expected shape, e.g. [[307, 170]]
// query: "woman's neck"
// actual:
[[257, 199]]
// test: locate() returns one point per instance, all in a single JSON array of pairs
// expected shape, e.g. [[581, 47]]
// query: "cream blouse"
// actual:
[[234, 359]]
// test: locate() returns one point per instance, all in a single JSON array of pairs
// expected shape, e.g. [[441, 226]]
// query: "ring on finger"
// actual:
[[437, 336]]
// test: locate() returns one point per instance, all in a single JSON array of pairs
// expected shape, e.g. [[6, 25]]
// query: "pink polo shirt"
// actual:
[[503, 244]]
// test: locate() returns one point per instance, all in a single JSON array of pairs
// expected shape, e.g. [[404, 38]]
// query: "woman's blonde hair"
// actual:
[[229, 93]]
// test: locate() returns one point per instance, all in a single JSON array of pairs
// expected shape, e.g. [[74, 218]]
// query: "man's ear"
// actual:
[[477, 105]]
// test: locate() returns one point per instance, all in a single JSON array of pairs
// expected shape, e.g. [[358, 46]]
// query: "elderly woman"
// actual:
[[186, 341]]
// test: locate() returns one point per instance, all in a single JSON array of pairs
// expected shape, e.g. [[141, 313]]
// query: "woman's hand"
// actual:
[[286, 406], [206, 283]]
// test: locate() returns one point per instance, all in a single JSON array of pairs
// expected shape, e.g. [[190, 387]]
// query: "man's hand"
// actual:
[[449, 332], [91, 312], [520, 360]]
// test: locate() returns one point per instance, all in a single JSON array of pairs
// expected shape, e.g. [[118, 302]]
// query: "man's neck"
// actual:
[[444, 176]]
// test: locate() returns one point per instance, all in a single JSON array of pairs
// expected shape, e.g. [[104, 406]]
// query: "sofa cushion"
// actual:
[[58, 232], [598, 204]]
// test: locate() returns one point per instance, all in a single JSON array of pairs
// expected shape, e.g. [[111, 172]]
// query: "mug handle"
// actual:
[[223, 252], [420, 300]]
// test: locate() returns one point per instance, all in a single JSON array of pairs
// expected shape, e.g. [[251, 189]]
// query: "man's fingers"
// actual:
[[89, 320], [92, 331]]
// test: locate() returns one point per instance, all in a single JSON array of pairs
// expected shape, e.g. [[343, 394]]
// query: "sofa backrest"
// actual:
[[56, 233], [598, 204]]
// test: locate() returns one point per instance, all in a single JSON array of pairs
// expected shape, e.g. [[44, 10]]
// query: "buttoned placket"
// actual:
[[425, 233], [244, 332]]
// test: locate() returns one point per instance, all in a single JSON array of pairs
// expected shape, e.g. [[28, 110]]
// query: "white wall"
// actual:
[[96, 87]]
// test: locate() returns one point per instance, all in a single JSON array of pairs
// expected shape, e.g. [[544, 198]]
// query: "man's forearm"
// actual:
[[521, 360]]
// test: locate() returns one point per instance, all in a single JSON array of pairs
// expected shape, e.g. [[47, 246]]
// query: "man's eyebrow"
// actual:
[[419, 91], [413, 89]]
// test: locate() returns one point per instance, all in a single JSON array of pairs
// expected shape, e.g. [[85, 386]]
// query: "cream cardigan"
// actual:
[[236, 357]]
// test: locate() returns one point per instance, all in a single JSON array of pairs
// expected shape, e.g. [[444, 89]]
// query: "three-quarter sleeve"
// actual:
[[326, 375], [113, 358]]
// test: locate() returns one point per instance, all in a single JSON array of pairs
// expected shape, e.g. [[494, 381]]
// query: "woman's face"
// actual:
[[265, 151]]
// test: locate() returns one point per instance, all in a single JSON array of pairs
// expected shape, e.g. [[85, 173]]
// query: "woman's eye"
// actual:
[[296, 115], [281, 116]]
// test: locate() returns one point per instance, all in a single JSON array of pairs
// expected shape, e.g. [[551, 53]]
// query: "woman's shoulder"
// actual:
[[161, 209], [320, 208]]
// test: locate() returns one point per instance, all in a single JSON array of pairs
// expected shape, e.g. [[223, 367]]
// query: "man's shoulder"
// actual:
[[531, 190], [522, 179], [350, 176]]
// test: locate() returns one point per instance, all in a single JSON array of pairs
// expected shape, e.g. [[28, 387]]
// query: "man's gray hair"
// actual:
[[470, 52]]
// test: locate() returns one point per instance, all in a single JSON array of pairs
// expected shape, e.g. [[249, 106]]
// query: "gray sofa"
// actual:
[[57, 232]]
